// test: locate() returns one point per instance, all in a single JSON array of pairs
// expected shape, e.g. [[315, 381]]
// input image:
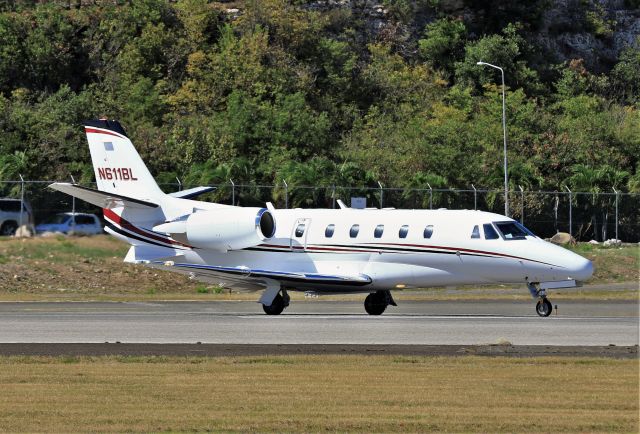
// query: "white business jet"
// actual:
[[336, 251]]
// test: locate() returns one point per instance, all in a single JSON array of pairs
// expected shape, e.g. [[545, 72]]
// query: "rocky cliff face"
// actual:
[[593, 30]]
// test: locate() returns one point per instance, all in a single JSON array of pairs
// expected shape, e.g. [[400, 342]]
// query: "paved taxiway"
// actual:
[[321, 322]]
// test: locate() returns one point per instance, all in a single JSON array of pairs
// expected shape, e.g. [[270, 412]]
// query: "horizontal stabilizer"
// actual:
[[101, 198], [146, 254], [192, 192]]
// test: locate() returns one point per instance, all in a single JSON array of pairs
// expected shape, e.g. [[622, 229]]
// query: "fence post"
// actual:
[[21, 199], [521, 205], [333, 196], [616, 192], [381, 195], [233, 192], [286, 194], [179, 184], [570, 211], [430, 196], [73, 208], [475, 198]]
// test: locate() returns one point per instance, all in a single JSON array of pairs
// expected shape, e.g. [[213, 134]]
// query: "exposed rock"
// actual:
[[562, 238], [594, 242], [612, 242], [24, 231], [593, 30]]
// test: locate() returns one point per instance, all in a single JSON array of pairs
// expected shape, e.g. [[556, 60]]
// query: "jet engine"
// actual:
[[223, 229]]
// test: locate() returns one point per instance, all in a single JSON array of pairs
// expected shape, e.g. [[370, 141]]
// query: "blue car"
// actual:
[[79, 223]]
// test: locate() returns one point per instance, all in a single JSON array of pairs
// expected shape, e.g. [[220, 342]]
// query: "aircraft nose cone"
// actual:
[[581, 268]]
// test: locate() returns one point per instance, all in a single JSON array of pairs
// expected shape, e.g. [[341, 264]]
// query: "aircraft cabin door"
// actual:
[[299, 234]]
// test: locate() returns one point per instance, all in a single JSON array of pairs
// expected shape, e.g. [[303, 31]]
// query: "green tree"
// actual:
[[443, 44], [506, 50], [626, 74]]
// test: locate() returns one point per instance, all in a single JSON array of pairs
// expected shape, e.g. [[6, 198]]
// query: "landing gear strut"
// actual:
[[377, 302], [543, 306], [278, 304]]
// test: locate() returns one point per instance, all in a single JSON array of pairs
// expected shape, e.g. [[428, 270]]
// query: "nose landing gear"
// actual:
[[543, 306]]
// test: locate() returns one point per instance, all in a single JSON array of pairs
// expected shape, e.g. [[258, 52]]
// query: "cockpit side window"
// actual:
[[489, 232], [476, 232], [512, 230]]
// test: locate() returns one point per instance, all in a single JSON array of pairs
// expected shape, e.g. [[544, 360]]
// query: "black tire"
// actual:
[[375, 304], [276, 308], [8, 228], [543, 307]]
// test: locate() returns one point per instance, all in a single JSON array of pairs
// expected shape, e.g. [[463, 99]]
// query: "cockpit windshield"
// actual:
[[513, 230]]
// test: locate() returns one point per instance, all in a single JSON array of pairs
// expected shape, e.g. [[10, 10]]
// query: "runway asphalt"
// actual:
[[320, 322]]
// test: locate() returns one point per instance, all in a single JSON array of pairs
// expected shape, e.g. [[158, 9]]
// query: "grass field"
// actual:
[[91, 268], [612, 264], [318, 393]]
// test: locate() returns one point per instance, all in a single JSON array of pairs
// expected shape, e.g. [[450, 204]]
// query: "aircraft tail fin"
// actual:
[[117, 165]]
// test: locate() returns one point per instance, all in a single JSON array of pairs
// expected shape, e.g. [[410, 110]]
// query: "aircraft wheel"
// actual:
[[544, 308], [375, 303], [277, 306]]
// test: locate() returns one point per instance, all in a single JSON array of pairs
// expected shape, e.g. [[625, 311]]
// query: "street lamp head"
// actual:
[[480, 63]]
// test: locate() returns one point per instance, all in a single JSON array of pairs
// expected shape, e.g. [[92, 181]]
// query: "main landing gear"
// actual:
[[279, 303], [543, 306], [377, 302]]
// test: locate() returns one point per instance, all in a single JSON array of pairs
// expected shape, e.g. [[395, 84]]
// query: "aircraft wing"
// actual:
[[244, 273], [101, 198]]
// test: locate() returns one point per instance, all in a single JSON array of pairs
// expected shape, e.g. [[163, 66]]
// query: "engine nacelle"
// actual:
[[223, 229]]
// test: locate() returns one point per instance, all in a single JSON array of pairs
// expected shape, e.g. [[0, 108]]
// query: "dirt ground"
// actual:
[[92, 268], [89, 265], [243, 350]]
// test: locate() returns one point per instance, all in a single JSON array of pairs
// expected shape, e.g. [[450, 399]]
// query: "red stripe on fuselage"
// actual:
[[127, 225], [93, 130], [367, 249], [458, 249]]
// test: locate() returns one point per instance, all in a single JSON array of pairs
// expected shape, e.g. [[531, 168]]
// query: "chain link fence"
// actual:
[[585, 215]]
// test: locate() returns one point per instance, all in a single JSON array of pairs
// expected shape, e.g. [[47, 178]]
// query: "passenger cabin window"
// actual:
[[428, 231], [354, 231], [404, 230], [328, 232], [476, 232], [489, 232], [377, 233], [512, 230], [300, 230]]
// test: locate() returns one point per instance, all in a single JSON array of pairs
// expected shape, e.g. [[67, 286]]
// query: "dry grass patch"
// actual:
[[318, 393], [91, 268]]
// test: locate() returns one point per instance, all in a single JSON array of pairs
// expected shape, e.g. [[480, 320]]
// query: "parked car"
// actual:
[[10, 215], [88, 224]]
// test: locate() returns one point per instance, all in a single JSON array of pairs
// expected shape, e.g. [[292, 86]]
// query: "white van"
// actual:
[[10, 216]]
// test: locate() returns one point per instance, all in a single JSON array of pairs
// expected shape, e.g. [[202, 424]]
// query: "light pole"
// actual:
[[504, 132]]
